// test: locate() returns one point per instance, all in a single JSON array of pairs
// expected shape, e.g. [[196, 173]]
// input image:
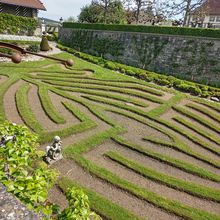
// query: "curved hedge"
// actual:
[[184, 31], [11, 24]]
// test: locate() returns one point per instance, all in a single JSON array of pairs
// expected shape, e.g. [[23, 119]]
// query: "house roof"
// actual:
[[37, 4], [211, 6], [214, 6]]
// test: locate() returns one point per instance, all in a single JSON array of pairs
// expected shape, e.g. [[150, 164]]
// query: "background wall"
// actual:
[[190, 58]]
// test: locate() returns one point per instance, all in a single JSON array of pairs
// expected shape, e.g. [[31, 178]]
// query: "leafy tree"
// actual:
[[90, 14], [109, 12], [71, 19]]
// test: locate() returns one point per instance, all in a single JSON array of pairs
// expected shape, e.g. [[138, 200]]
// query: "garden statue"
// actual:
[[5, 139], [53, 152]]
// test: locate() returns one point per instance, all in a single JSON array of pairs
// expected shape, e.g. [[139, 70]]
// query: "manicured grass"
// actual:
[[156, 112], [179, 146], [101, 91], [104, 83], [197, 118], [200, 131], [106, 88], [168, 205], [204, 111], [25, 111], [182, 165], [99, 204], [213, 105], [106, 95], [84, 125], [191, 188], [48, 106]]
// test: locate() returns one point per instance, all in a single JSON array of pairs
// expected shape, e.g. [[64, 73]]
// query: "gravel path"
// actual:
[[29, 57]]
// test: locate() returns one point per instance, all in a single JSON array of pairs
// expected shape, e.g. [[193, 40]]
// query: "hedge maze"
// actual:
[[138, 150]]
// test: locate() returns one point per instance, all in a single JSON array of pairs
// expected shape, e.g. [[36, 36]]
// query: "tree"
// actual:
[[144, 10], [183, 7], [111, 12], [70, 19], [90, 14]]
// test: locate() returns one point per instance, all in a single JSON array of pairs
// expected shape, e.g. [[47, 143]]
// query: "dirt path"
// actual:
[[206, 117], [168, 117], [162, 190], [138, 207], [9, 103], [138, 134], [153, 164], [3, 79]]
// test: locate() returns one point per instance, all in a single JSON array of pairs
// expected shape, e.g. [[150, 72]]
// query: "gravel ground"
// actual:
[[12, 209], [28, 57]]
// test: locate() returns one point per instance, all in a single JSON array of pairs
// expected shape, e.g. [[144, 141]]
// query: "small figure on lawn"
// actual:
[[53, 152]]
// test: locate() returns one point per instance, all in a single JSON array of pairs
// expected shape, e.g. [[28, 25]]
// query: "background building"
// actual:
[[25, 8]]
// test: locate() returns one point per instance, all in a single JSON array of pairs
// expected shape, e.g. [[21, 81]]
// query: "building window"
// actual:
[[218, 18], [212, 18]]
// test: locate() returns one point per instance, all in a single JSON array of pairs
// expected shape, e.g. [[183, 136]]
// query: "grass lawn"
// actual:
[[140, 151]]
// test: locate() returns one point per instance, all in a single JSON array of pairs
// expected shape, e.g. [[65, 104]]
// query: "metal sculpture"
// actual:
[[16, 57]]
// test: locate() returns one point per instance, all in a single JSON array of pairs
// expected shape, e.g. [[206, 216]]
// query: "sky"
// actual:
[[62, 8]]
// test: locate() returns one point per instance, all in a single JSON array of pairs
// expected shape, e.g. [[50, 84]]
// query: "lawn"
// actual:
[[139, 150]]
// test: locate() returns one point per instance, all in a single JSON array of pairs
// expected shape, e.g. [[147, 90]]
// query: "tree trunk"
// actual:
[[185, 21]]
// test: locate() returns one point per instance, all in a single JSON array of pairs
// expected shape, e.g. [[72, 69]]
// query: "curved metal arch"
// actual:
[[20, 50]]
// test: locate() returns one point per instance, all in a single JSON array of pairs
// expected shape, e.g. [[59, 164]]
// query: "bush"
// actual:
[[201, 32], [195, 90], [52, 37], [22, 170], [78, 206], [130, 72], [33, 48], [170, 81], [44, 46], [11, 24]]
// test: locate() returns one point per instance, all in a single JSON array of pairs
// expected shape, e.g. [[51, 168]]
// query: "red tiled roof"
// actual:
[[37, 4], [211, 6], [214, 6]]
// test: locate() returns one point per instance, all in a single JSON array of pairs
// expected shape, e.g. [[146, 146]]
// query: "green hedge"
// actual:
[[11, 24], [163, 80], [201, 32]]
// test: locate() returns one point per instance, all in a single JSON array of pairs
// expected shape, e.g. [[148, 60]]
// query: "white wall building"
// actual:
[[209, 15]]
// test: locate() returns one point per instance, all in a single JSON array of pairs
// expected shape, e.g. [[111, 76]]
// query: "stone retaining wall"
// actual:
[[12, 209], [191, 58]]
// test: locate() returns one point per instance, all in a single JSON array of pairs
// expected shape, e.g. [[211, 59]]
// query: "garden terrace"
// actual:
[[139, 150]]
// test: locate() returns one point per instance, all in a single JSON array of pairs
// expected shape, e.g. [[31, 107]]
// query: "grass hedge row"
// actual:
[[183, 31], [163, 80]]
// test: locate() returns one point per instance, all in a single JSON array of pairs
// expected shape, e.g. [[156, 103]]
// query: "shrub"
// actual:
[[33, 48], [22, 170], [130, 72], [44, 46], [110, 65], [170, 81], [195, 90], [164, 82], [202, 32], [78, 206], [11, 24], [53, 37]]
